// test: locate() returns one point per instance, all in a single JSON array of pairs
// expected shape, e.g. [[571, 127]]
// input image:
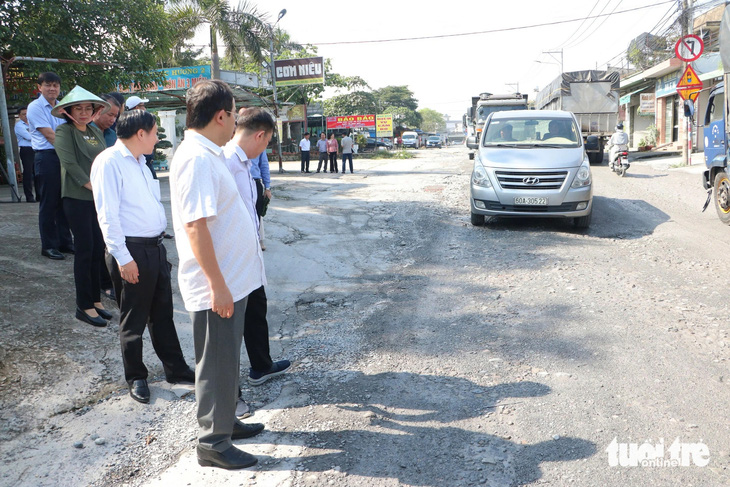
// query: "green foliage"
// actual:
[[652, 133], [433, 121], [404, 117], [397, 96], [393, 154], [361, 140], [358, 102], [135, 34]]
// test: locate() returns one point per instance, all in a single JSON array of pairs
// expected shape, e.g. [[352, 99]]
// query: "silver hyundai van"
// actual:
[[531, 163]]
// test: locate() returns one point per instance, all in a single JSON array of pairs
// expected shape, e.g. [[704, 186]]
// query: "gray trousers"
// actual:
[[217, 364]]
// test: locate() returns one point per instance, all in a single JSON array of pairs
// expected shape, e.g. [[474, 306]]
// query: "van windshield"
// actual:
[[485, 110], [409, 136], [532, 132]]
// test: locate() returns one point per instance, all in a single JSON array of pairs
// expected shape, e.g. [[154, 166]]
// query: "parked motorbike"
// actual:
[[621, 164]]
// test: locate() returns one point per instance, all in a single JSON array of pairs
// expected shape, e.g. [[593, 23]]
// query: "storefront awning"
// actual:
[[626, 99]]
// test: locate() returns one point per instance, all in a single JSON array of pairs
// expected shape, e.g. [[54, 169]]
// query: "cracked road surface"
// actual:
[[427, 352]]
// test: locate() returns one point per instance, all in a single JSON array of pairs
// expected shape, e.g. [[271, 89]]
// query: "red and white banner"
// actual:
[[351, 122]]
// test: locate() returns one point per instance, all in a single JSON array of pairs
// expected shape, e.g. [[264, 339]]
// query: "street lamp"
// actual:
[[273, 82]]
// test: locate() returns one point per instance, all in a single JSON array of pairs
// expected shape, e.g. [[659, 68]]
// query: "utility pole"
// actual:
[[687, 28], [273, 84], [561, 57]]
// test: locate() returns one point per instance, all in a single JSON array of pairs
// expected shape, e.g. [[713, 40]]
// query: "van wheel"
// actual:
[[583, 222], [477, 220]]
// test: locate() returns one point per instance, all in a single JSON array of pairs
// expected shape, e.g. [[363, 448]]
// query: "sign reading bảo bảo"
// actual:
[[306, 71], [351, 122]]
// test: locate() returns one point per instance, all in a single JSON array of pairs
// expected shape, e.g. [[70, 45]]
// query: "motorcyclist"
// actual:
[[618, 143]]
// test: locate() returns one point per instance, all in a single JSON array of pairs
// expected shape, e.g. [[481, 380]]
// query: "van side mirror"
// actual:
[[592, 143], [471, 142], [471, 156]]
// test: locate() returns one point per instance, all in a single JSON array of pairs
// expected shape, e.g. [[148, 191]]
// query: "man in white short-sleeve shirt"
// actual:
[[220, 264]]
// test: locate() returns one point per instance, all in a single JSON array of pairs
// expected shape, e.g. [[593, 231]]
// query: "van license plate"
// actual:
[[531, 201]]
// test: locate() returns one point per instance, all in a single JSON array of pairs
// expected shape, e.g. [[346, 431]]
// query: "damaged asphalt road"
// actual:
[[426, 351]]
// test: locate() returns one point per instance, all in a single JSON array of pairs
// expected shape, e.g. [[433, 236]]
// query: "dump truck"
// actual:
[[593, 97], [485, 104]]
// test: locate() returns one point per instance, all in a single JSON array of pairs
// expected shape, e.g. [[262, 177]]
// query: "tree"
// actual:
[[403, 117], [433, 121], [243, 30], [355, 103], [397, 96], [135, 35]]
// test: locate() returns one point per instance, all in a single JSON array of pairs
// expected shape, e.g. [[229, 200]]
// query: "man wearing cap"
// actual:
[[132, 219], [27, 156], [54, 229], [136, 103]]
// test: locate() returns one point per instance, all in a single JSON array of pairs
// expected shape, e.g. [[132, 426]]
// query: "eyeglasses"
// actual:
[[233, 113]]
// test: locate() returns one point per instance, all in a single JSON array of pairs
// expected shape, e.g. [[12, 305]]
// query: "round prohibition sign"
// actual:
[[689, 48]]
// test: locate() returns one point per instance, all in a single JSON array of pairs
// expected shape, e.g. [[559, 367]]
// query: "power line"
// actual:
[[581, 38], [579, 27], [506, 29]]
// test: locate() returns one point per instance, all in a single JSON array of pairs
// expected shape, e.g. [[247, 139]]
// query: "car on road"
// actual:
[[380, 143], [433, 141], [531, 164], [410, 139]]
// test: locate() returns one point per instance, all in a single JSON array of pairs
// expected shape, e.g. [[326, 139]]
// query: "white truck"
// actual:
[[484, 105], [593, 97]]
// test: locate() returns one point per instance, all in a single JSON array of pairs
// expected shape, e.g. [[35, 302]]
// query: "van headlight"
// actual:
[[479, 175], [583, 176]]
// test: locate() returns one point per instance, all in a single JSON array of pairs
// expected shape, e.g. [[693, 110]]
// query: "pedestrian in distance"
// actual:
[[304, 147], [221, 263], [322, 148], [77, 145], [132, 219], [347, 144], [332, 147], [54, 230], [27, 155]]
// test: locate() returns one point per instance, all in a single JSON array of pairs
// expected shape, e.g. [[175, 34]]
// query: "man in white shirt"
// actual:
[[132, 220], [253, 127], [220, 265], [55, 233], [346, 144], [304, 147], [27, 156]]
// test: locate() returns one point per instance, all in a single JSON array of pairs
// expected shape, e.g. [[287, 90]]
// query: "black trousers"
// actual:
[[333, 161], [305, 160], [259, 196], [344, 160], [256, 331], [54, 229], [322, 159], [89, 255], [148, 300], [27, 157]]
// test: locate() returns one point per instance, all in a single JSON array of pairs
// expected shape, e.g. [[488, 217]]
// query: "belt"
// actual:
[[148, 241], [46, 150]]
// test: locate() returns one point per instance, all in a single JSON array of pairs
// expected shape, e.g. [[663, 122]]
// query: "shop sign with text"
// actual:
[[306, 71]]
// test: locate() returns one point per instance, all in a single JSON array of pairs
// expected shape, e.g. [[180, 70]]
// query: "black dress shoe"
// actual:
[[52, 254], [103, 313], [243, 430], [231, 459], [139, 391], [92, 320], [184, 377], [68, 250]]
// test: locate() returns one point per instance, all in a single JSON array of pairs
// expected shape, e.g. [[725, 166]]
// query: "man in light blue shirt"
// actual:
[[27, 156], [54, 230]]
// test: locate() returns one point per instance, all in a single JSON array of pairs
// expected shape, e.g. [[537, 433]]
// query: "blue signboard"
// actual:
[[176, 79]]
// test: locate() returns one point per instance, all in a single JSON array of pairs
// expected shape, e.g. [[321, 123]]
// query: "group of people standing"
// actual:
[[94, 182], [328, 149]]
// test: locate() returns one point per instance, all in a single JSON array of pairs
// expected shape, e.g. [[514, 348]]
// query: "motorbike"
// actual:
[[621, 164]]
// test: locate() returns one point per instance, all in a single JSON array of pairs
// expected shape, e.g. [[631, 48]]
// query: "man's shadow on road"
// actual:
[[389, 435]]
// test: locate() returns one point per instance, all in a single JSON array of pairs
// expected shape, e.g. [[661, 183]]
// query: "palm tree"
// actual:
[[244, 30]]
